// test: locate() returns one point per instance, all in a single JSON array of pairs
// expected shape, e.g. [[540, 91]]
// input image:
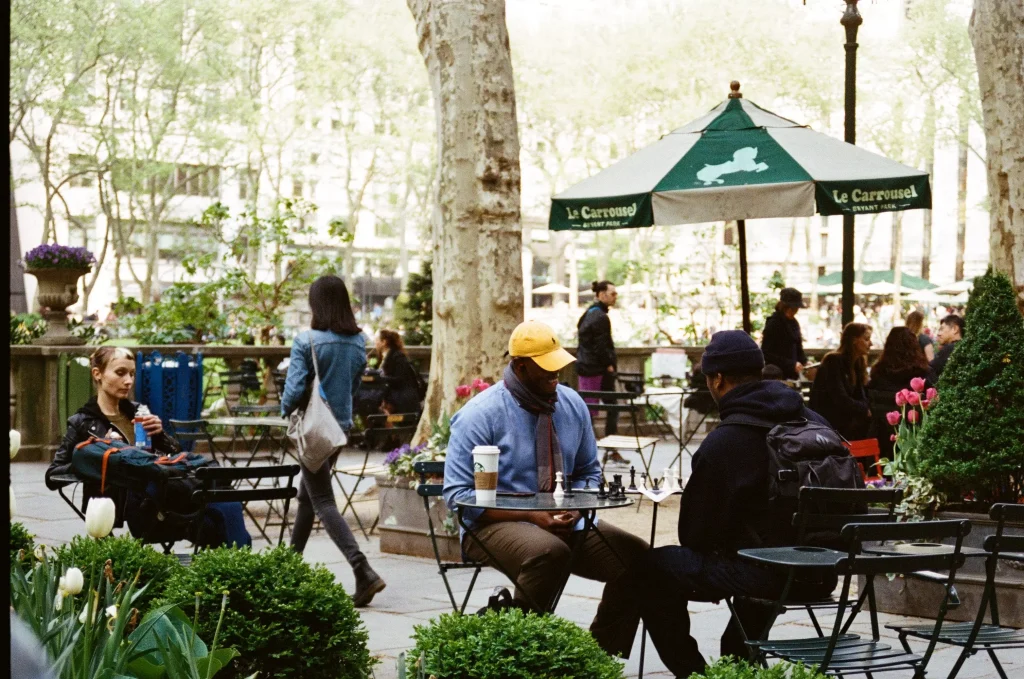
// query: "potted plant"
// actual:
[[403, 524], [58, 268]]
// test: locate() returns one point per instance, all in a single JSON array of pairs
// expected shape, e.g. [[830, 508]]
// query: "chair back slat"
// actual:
[[1004, 543], [918, 530], [256, 472], [1007, 512], [609, 395], [430, 489], [246, 495], [852, 495], [429, 467], [612, 407], [837, 521], [875, 564]]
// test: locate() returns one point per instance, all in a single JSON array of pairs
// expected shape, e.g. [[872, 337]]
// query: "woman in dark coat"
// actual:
[[596, 363], [839, 392], [902, 360], [402, 394], [781, 341]]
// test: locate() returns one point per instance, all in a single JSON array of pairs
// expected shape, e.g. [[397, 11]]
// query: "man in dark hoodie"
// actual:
[[724, 508]]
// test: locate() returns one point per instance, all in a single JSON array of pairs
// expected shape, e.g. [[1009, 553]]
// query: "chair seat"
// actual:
[[852, 654], [358, 470], [616, 442], [958, 633], [64, 479]]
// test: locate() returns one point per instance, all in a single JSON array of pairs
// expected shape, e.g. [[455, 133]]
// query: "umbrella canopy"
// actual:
[[884, 276], [955, 288], [882, 288], [551, 289], [738, 161]]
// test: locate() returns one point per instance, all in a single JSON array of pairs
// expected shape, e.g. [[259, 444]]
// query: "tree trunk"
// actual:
[[999, 52], [929, 167], [961, 194], [478, 290]]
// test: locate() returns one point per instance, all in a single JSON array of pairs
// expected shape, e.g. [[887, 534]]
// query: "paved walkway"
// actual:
[[415, 593]]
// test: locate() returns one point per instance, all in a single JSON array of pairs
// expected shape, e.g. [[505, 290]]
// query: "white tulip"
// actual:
[[58, 601], [99, 517], [111, 611], [13, 504], [81, 616], [15, 442], [73, 581]]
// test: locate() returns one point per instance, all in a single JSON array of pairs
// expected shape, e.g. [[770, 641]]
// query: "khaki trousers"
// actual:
[[537, 559]]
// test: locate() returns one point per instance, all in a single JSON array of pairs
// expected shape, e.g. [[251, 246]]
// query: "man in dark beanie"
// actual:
[[724, 508], [781, 342]]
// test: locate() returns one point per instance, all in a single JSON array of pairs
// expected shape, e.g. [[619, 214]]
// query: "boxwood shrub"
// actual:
[[20, 539], [128, 556], [510, 643], [728, 668], [285, 617]]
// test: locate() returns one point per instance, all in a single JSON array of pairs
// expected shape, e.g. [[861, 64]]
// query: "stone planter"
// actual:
[[58, 289], [403, 523], [917, 598]]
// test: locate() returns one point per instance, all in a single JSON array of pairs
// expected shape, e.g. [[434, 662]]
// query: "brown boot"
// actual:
[[368, 583]]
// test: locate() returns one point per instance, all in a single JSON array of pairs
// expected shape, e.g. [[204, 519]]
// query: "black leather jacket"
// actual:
[[596, 351], [90, 421]]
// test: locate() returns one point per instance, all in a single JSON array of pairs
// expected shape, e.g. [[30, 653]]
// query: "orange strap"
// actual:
[[168, 460], [103, 472]]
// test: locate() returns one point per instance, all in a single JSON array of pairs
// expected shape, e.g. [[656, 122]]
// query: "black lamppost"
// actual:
[[851, 21]]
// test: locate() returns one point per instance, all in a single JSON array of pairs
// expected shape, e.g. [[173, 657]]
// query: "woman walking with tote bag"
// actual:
[[340, 357]]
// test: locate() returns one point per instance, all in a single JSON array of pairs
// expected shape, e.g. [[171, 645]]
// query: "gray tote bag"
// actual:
[[314, 430]]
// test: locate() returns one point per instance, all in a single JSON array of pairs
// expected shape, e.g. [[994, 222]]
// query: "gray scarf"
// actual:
[[547, 450]]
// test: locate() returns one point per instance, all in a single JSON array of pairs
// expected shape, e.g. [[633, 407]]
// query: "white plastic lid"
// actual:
[[486, 450]]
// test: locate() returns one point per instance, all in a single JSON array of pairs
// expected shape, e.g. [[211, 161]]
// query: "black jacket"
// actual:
[[725, 504], [90, 421], [938, 363], [782, 344], [595, 351], [842, 402], [403, 383]]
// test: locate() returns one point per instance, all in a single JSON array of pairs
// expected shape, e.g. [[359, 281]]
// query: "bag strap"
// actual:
[[312, 351], [103, 468]]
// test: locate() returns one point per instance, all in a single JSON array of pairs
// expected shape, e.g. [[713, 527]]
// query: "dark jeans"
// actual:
[[668, 578], [316, 494]]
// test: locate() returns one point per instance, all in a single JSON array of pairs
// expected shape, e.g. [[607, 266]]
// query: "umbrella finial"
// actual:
[[735, 87]]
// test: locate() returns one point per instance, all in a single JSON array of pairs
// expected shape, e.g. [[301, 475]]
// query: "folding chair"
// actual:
[[842, 654], [190, 432], [427, 491], [976, 636], [382, 432], [615, 443], [210, 492], [866, 452]]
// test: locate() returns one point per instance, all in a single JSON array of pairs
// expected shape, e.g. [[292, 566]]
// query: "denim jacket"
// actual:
[[341, 360]]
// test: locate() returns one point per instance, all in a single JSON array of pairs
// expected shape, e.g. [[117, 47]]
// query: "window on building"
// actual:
[[142, 175], [384, 229], [81, 170], [82, 231], [824, 245], [312, 190], [197, 180], [335, 124], [174, 240], [314, 158], [729, 236], [247, 183], [297, 187], [821, 270]]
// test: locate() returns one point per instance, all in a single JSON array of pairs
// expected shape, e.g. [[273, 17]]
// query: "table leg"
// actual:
[[643, 625]]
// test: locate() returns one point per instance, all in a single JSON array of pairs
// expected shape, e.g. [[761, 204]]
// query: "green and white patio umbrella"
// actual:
[[738, 162]]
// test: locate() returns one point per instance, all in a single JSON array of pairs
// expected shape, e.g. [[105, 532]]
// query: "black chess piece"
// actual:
[[587, 487], [617, 478], [601, 492], [655, 482], [632, 478], [643, 478], [567, 488]]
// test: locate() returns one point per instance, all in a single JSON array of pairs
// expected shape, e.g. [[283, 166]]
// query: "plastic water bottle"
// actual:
[[142, 439]]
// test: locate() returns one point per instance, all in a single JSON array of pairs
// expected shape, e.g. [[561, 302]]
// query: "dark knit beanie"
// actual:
[[730, 352]]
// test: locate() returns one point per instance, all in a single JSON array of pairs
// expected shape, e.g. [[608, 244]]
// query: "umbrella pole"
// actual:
[[741, 228]]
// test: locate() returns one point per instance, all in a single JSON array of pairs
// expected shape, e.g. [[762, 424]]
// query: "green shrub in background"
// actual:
[[510, 643], [973, 441], [728, 668], [20, 539], [414, 309], [26, 327], [285, 617], [129, 555]]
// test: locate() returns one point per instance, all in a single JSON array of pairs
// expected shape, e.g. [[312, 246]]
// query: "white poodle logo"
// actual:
[[742, 161]]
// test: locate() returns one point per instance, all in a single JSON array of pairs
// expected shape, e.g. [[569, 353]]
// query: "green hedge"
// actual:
[[20, 539], [285, 617], [973, 440], [728, 668], [510, 643]]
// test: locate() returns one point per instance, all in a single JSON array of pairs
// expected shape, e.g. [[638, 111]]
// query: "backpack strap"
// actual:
[[748, 420]]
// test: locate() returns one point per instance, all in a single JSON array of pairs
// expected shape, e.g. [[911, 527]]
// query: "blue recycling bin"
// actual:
[[172, 387]]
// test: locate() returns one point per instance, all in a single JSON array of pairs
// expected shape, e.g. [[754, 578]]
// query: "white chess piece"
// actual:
[[668, 482], [559, 491]]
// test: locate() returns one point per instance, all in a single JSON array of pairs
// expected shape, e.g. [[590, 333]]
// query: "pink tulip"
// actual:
[[893, 418], [901, 398], [464, 391], [917, 384], [479, 384], [912, 417], [914, 398], [925, 403], [931, 394], [892, 437]]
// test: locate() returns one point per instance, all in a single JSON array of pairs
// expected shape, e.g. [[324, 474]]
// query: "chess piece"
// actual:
[[655, 482], [617, 479], [669, 485], [602, 494], [632, 478], [559, 491], [587, 487], [643, 480], [567, 488]]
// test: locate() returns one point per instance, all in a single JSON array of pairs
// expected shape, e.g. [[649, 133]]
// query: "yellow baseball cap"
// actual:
[[536, 340]]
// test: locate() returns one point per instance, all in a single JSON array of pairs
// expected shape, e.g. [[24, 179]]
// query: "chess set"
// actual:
[[616, 490]]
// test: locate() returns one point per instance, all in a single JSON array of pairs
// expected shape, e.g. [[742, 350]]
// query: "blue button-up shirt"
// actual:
[[494, 418]]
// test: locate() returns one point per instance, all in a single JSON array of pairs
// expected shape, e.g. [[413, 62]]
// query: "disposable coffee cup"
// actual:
[[485, 473]]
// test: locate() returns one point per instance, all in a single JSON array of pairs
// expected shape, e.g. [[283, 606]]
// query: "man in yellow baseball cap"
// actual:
[[541, 429]]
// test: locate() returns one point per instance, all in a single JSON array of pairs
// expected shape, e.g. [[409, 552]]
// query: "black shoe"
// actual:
[[368, 583]]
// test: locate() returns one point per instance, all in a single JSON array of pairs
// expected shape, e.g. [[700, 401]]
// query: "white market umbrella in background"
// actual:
[[551, 289], [738, 162]]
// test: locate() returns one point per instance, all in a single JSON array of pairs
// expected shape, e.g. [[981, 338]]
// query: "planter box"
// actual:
[[403, 522], [918, 598]]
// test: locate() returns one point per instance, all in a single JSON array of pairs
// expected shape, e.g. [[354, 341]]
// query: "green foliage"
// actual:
[[727, 667], [126, 306], [165, 645], [26, 327], [129, 556], [186, 313], [287, 618], [973, 440], [21, 539], [414, 310], [510, 643]]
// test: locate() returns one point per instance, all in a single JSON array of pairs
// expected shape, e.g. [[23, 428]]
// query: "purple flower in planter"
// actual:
[[54, 256], [395, 454]]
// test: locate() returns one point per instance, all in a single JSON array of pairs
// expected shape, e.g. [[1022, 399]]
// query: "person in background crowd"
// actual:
[[781, 343], [915, 324], [951, 331], [340, 358], [901, 361], [402, 394], [596, 364], [772, 372], [839, 391]]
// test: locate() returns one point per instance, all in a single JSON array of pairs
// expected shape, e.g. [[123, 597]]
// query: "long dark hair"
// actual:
[[902, 355], [858, 366], [332, 310], [393, 340]]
